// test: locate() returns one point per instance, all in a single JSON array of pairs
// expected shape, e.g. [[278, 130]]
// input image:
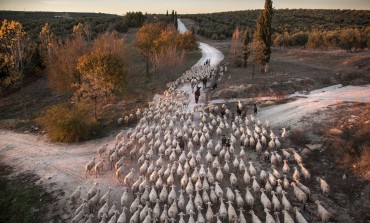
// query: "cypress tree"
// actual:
[[246, 50], [167, 13], [176, 23], [264, 32]]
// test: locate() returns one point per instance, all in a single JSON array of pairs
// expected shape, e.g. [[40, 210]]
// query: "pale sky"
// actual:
[[120, 7]]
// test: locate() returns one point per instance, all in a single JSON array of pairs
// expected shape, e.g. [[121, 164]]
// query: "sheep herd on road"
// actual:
[[199, 165]]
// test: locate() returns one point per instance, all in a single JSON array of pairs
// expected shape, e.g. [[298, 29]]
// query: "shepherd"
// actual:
[[255, 109], [197, 94], [204, 80]]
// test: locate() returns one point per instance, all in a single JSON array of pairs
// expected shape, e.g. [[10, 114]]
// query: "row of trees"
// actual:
[[257, 46], [163, 46], [347, 39], [221, 25], [91, 70]]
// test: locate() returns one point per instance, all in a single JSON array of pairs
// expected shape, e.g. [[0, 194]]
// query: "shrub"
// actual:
[[68, 124], [298, 137]]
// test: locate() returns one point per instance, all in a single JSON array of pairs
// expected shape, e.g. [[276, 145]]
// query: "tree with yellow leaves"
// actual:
[[16, 51]]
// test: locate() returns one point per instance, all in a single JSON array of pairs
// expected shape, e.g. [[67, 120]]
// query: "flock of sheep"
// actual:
[[205, 165]]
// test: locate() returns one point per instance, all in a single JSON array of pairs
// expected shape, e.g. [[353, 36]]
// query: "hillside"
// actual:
[[289, 20], [61, 22]]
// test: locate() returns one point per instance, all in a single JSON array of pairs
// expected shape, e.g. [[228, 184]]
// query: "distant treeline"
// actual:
[[222, 25]]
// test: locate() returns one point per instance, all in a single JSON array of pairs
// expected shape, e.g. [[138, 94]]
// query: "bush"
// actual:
[[69, 124], [298, 137]]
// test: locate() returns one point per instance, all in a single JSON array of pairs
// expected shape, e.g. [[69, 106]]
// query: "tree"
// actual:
[[168, 58], [246, 49], [145, 41], [103, 73], [175, 21], [257, 48], [236, 49], [16, 52], [264, 31], [187, 41], [47, 40], [63, 75]]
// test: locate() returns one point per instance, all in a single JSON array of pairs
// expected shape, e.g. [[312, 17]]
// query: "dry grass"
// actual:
[[352, 149]]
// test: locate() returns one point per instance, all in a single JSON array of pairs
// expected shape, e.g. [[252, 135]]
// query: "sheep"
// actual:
[[181, 220], [299, 194], [231, 212], [106, 196], [286, 154], [190, 205], [241, 216], [222, 210], [89, 166], [269, 218], [75, 196], [233, 180], [218, 190], [265, 201], [78, 217], [323, 213], [283, 134], [286, 204], [83, 207], [296, 174], [305, 189], [275, 201], [286, 182], [120, 173], [93, 190], [306, 174], [229, 194], [93, 202], [252, 170], [112, 210], [102, 149], [286, 167], [212, 196], [249, 198], [324, 186], [103, 210], [255, 185], [287, 217], [247, 178], [104, 218], [122, 217], [299, 217], [91, 219], [239, 199], [98, 168], [153, 195], [198, 199], [200, 218], [156, 210], [255, 219], [173, 211]]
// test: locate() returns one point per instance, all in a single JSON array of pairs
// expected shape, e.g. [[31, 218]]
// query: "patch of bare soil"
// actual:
[[328, 156]]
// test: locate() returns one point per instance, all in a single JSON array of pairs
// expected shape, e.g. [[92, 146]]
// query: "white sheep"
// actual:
[[222, 210], [324, 186], [89, 166], [286, 204], [255, 219], [299, 194], [269, 218], [93, 202], [209, 213], [99, 168], [93, 190], [102, 149], [265, 201], [103, 210], [323, 213], [287, 217], [75, 196], [299, 217]]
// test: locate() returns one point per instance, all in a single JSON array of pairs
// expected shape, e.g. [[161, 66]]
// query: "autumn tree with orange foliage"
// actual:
[[16, 53], [103, 71], [145, 41]]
